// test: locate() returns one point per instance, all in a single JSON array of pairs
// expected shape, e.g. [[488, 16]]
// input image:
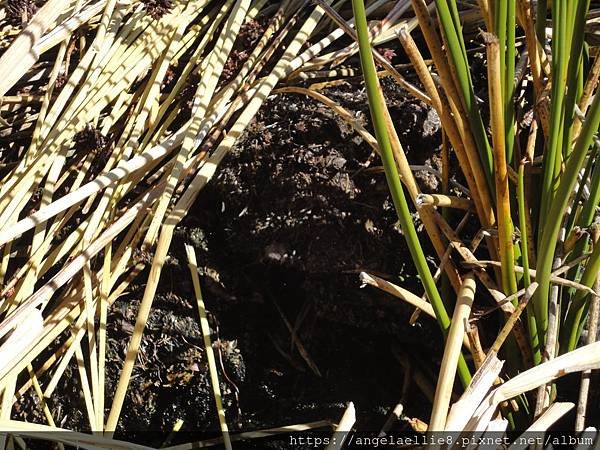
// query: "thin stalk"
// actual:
[[42, 400], [500, 27], [586, 376], [575, 213], [104, 293], [212, 364], [574, 71], [376, 106], [505, 228], [512, 320], [458, 62], [588, 211], [535, 348], [551, 228], [553, 155], [451, 356], [579, 306], [509, 82]]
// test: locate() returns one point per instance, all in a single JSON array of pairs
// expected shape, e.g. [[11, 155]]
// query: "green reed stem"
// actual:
[[575, 68], [552, 221], [509, 82], [376, 106], [525, 262], [578, 308], [574, 215], [553, 154], [450, 24]]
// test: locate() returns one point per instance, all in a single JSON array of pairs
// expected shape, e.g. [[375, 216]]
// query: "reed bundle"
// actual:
[[530, 163]]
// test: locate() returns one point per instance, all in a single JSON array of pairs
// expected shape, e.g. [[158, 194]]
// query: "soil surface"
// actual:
[[294, 214]]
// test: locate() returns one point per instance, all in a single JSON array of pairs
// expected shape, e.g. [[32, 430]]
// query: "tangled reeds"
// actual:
[[507, 165], [116, 114]]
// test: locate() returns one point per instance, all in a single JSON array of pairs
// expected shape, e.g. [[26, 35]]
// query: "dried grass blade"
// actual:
[[447, 373], [548, 417], [253, 435], [21, 55], [584, 358], [186, 200], [344, 427], [483, 380], [210, 356]]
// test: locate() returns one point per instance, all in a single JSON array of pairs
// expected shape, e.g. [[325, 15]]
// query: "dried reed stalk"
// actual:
[[344, 427], [447, 373], [210, 356]]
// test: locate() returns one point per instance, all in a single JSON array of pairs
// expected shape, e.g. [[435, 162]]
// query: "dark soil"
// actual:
[[281, 234], [294, 214]]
